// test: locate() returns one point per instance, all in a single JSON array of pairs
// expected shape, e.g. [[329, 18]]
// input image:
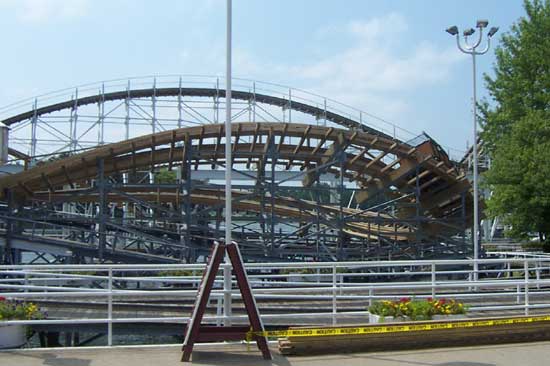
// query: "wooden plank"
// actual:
[[206, 284]]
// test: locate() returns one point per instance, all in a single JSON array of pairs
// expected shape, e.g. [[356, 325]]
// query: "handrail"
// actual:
[[324, 107], [515, 284]]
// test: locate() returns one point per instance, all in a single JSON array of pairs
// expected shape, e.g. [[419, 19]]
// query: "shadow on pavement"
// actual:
[[237, 358]]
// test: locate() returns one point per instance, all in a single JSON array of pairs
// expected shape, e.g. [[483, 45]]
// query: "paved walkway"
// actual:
[[525, 354]]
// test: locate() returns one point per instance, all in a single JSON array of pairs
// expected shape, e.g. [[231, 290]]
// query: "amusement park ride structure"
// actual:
[[132, 171]]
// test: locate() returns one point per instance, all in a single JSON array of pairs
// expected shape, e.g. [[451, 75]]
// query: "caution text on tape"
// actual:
[[319, 332]]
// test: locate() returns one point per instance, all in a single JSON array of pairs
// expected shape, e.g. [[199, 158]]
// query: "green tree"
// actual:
[[516, 127], [165, 176]]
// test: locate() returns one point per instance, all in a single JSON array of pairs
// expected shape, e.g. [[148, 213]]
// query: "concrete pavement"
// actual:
[[530, 354]]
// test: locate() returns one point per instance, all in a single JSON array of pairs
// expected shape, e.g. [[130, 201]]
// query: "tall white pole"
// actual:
[[476, 196], [228, 210], [472, 50]]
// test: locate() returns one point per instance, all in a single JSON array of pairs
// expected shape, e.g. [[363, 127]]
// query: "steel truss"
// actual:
[[384, 199]]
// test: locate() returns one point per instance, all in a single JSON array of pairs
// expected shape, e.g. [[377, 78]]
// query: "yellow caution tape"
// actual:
[[319, 332]]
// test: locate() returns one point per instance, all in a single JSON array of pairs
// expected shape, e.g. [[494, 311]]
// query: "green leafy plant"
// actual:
[[516, 132], [165, 176], [447, 307], [417, 309], [18, 310]]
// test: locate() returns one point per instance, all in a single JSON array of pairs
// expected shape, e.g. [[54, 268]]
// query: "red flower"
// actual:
[[2, 298], [429, 299], [405, 299], [442, 301]]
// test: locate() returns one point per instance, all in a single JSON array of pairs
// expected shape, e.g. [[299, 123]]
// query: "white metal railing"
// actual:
[[214, 82], [514, 284], [206, 81]]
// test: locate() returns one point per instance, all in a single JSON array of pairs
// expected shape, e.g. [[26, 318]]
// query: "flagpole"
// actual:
[[228, 209]]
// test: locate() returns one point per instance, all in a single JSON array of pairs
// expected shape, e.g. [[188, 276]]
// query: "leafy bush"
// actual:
[[447, 307], [18, 310], [417, 309]]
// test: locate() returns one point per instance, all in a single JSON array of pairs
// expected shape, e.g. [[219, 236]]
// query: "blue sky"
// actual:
[[390, 58]]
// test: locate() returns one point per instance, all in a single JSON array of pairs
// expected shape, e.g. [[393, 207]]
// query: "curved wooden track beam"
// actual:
[[374, 162]]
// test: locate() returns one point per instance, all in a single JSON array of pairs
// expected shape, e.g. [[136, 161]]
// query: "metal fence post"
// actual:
[[341, 279], [219, 313], [526, 297], [26, 281], [110, 309], [537, 272], [227, 295], [334, 309], [433, 279]]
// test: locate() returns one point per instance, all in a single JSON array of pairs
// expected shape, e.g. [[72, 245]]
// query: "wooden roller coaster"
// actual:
[[406, 199]]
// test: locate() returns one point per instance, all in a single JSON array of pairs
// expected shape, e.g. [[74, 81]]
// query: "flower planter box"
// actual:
[[12, 336], [373, 318]]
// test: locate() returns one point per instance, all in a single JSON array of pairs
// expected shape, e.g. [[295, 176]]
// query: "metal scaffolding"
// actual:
[[312, 180]]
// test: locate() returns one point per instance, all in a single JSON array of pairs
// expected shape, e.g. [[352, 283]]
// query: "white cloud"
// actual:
[[376, 72], [378, 28], [40, 11], [373, 63]]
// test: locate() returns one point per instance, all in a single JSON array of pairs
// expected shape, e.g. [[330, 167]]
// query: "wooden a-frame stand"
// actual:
[[195, 332]]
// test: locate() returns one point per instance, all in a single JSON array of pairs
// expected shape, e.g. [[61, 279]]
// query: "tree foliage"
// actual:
[[165, 176], [517, 125]]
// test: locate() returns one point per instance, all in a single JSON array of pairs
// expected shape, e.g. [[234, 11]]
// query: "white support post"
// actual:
[[73, 123], [154, 106], [127, 106], [526, 288], [254, 101], [101, 117], [471, 49], [228, 209], [325, 112], [433, 281], [476, 192], [110, 309], [334, 289], [34, 121], [125, 176], [180, 109], [26, 281], [289, 105], [217, 102], [219, 311], [537, 271]]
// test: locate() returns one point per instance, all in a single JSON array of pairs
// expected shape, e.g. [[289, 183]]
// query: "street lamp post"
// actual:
[[472, 49], [228, 165]]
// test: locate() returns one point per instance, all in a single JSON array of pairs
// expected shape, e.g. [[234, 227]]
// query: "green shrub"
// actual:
[[417, 309], [18, 310]]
